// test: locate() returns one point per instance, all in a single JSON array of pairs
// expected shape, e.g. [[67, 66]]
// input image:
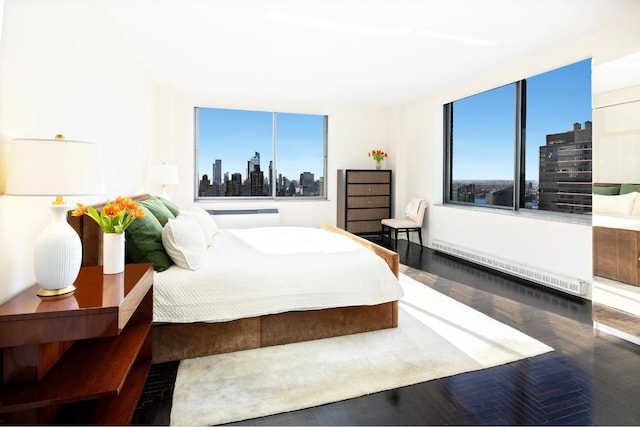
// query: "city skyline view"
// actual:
[[234, 136]]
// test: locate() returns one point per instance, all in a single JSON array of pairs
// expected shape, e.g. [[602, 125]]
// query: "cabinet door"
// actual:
[[615, 254]]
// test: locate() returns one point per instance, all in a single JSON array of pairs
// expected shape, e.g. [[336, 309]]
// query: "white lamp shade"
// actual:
[[163, 174], [50, 167], [55, 167]]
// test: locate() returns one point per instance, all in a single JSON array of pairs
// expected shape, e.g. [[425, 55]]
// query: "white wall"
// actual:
[[64, 69], [417, 128]]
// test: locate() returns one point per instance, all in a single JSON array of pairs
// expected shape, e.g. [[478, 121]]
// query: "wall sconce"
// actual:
[[164, 175], [55, 167]]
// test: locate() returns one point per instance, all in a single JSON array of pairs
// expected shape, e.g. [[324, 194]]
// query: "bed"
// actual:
[[203, 326]]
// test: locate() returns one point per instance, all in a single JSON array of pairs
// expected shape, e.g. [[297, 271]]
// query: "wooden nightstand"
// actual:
[[83, 359]]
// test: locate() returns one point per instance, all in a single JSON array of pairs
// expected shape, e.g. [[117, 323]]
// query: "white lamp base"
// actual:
[[164, 193], [57, 256]]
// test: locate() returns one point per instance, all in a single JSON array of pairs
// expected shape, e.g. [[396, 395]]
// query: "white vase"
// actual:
[[112, 253]]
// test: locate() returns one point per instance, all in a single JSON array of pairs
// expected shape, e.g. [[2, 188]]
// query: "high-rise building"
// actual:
[[217, 171], [234, 186], [252, 163], [566, 171], [307, 184], [204, 187]]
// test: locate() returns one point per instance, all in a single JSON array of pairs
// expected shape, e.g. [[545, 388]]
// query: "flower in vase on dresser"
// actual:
[[378, 156], [113, 219]]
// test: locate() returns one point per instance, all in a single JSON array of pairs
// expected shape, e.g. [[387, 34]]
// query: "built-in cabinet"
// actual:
[[364, 199], [615, 254]]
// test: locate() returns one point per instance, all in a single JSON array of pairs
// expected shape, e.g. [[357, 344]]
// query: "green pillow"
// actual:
[[158, 209], [173, 208], [629, 188], [143, 241], [606, 191]]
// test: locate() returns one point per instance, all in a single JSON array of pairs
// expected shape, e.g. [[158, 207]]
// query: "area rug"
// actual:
[[436, 337]]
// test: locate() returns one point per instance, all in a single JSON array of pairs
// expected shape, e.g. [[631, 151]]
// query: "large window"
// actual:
[[526, 145], [241, 153]]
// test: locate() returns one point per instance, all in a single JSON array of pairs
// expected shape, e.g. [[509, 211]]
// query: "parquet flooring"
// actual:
[[590, 379]]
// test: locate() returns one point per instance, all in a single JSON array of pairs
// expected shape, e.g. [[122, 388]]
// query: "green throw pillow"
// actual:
[[173, 208], [159, 210], [143, 241], [629, 188], [606, 191]]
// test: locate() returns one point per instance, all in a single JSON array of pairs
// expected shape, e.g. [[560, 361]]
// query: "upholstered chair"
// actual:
[[412, 220]]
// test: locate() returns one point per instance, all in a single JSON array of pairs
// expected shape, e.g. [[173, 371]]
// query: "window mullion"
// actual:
[[520, 148], [274, 168]]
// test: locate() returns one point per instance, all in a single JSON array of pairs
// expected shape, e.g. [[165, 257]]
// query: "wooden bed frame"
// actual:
[[176, 341]]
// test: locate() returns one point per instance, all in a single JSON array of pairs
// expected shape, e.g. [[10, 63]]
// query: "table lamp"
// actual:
[[164, 175], [55, 167]]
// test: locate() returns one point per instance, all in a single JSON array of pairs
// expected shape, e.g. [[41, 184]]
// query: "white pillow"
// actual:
[[411, 211], [184, 242], [636, 206], [617, 205], [205, 221]]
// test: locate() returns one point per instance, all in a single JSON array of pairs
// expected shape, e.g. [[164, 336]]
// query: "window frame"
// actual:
[[519, 175], [273, 184]]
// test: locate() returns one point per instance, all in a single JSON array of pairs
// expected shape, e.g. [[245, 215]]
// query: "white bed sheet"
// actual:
[[268, 270]]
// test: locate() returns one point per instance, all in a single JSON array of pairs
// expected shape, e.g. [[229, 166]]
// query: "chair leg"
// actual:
[[408, 237], [419, 230]]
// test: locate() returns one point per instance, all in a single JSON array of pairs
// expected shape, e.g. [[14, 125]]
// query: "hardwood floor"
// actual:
[[590, 379]]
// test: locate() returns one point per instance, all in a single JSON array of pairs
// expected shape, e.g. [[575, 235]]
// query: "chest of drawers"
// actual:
[[364, 199]]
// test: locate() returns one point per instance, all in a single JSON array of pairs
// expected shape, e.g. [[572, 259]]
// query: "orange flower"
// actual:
[[79, 210], [111, 210], [114, 217], [377, 155]]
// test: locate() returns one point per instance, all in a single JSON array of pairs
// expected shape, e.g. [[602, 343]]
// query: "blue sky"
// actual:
[[235, 135], [484, 125]]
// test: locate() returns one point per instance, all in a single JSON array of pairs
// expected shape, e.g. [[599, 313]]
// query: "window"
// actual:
[[242, 153], [526, 145]]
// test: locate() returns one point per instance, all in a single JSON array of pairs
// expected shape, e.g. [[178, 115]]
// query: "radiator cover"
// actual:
[[572, 286]]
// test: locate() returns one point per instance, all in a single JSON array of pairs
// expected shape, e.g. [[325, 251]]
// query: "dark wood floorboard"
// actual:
[[590, 379]]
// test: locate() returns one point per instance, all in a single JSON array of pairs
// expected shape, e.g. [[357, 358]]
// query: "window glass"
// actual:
[[558, 140], [483, 148], [300, 154], [242, 153], [524, 145]]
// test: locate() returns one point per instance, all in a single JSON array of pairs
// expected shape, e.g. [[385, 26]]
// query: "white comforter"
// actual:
[[252, 272]]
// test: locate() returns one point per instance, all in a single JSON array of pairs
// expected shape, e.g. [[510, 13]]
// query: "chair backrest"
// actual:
[[415, 210]]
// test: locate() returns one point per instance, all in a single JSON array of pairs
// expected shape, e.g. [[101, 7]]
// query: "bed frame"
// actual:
[[176, 341]]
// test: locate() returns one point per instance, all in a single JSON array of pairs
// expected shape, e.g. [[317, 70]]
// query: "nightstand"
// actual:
[[83, 359]]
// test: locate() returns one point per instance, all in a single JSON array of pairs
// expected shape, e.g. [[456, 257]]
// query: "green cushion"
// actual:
[[158, 209], [606, 191], [143, 241], [629, 188], [173, 208]]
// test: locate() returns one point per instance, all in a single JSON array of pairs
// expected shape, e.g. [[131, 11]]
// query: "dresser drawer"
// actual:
[[368, 202], [364, 226], [368, 214], [368, 189], [369, 177]]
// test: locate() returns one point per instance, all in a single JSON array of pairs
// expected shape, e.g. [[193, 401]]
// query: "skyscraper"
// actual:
[[307, 184], [566, 171], [217, 171]]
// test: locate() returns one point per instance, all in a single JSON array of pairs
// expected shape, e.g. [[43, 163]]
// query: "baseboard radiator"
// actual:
[[566, 284]]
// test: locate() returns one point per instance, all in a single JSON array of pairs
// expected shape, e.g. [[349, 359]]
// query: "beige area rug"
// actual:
[[436, 337]]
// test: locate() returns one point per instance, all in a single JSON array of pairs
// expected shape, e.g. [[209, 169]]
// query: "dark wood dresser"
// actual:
[[364, 199]]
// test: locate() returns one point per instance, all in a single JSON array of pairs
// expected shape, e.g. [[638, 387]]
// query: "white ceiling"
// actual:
[[374, 52]]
